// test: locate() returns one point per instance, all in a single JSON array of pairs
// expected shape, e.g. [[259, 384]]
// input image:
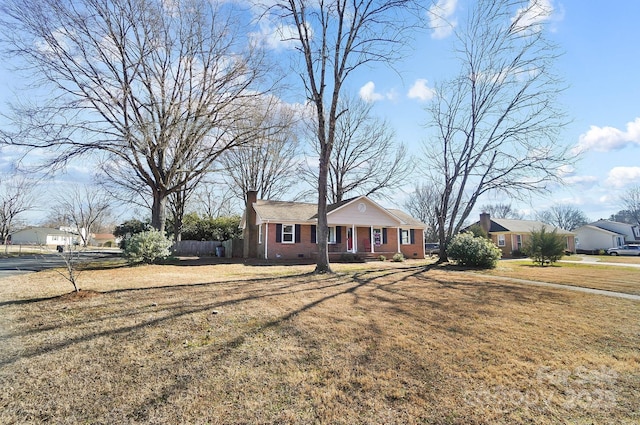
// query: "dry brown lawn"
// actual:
[[379, 343], [596, 276]]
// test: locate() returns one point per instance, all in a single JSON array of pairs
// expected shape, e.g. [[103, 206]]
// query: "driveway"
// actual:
[[11, 266]]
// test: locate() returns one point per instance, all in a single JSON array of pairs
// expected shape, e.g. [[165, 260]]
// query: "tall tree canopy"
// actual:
[[159, 88], [335, 38], [496, 124], [365, 159], [565, 217]]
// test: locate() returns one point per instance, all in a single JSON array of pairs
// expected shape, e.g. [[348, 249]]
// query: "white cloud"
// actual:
[[621, 176], [605, 139], [368, 93], [420, 90], [532, 16], [581, 180], [441, 18], [275, 36]]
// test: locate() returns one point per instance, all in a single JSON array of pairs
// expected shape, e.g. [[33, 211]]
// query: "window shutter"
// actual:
[[338, 234], [412, 235], [313, 233], [278, 233], [297, 233], [384, 235]]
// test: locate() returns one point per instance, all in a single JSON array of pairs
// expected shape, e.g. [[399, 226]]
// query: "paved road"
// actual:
[[12, 266]]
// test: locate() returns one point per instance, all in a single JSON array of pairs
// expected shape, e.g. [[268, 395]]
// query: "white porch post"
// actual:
[[266, 241], [399, 235], [354, 239], [371, 238]]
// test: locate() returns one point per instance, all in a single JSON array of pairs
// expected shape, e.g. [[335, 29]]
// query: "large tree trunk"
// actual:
[[322, 263], [159, 210]]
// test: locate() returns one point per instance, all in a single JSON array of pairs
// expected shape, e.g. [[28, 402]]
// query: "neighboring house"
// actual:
[[287, 230], [605, 234], [42, 236], [103, 239], [512, 235]]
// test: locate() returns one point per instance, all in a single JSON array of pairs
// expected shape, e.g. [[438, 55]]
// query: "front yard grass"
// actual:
[[587, 275], [377, 343]]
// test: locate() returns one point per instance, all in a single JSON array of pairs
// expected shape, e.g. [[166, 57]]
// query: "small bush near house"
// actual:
[[348, 257], [475, 251], [545, 247], [147, 247], [398, 257], [129, 228], [516, 253], [382, 258]]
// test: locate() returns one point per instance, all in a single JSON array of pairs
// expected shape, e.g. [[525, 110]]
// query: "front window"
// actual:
[[405, 237], [518, 241], [331, 235], [288, 233], [377, 237], [501, 241]]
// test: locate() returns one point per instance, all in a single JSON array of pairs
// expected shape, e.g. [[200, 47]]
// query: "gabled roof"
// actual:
[[522, 226], [285, 211], [406, 218], [300, 212], [47, 230], [598, 229]]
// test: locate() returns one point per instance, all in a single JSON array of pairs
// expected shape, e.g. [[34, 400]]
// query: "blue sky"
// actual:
[[600, 65]]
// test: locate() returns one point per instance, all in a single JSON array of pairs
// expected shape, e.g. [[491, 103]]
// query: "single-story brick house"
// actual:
[[287, 230], [511, 235]]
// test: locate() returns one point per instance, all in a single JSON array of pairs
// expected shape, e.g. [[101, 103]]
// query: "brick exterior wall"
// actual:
[[509, 247], [307, 248]]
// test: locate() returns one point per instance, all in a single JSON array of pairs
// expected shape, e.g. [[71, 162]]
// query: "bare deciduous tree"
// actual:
[[17, 196], [365, 160], [563, 216], [497, 123], [268, 164], [157, 87], [631, 202], [212, 199], [421, 205], [334, 38], [502, 211], [84, 208]]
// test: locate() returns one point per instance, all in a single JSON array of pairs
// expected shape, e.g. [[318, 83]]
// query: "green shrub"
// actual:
[[475, 251], [516, 253], [147, 247], [545, 247], [129, 228], [398, 257], [348, 257], [382, 258]]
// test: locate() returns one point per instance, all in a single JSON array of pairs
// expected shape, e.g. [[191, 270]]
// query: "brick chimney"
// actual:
[[485, 221], [250, 245]]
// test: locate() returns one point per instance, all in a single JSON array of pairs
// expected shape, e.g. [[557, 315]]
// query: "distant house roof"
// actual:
[[44, 230], [598, 229], [105, 236], [522, 226]]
